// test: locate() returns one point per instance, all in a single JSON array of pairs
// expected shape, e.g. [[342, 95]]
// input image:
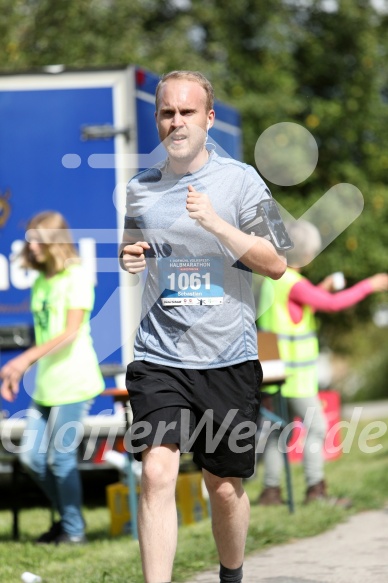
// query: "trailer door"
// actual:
[[51, 127]]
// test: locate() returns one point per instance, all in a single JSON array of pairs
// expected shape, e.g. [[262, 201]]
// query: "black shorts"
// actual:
[[212, 413]]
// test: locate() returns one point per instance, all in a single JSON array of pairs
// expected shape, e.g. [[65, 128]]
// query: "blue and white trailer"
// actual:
[[70, 141]]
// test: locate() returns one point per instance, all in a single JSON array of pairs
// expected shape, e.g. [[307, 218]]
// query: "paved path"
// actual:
[[366, 411], [355, 551]]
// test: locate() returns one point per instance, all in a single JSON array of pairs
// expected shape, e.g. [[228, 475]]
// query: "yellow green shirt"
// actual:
[[71, 374], [298, 343]]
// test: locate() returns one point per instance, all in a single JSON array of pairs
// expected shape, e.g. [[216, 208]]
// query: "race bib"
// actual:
[[194, 281]]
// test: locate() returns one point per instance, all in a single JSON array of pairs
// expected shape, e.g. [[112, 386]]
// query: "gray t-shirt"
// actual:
[[198, 309]]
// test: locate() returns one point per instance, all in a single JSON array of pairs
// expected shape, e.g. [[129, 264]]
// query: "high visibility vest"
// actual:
[[298, 343]]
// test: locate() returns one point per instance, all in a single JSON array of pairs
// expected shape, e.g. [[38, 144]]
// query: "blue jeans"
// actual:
[[49, 453]]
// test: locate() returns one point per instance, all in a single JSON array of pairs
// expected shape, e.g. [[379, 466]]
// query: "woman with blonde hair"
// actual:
[[68, 375]]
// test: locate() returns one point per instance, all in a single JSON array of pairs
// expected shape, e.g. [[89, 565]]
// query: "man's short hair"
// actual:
[[189, 76]]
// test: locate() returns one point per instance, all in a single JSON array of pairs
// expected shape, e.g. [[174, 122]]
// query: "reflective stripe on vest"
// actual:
[[298, 344]]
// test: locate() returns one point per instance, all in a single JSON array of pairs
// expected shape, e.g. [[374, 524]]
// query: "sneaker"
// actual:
[[51, 535], [270, 496], [64, 538], [318, 492]]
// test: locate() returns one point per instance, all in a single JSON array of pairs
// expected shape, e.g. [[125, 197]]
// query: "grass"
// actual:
[[359, 475]]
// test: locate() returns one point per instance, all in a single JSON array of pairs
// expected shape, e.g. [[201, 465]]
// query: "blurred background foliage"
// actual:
[[319, 63]]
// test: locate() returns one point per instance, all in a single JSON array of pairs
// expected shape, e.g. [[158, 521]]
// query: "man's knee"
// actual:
[[160, 468], [224, 489]]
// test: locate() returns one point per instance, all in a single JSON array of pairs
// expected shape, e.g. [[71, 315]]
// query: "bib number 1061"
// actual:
[[193, 281]]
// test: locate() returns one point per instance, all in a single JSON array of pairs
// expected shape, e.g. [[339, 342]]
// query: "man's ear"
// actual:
[[210, 121]]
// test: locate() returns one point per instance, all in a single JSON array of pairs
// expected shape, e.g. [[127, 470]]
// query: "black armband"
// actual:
[[269, 225]]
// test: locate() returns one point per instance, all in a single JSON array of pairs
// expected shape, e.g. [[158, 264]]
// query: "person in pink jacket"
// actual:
[[287, 307]]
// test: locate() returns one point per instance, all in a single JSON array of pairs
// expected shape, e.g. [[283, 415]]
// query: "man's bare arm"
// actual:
[[255, 252]]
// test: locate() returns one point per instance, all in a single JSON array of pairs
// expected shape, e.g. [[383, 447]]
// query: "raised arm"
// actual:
[[131, 251], [255, 252], [305, 293]]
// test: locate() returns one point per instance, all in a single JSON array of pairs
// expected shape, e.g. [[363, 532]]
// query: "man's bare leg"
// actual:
[[157, 518], [230, 518]]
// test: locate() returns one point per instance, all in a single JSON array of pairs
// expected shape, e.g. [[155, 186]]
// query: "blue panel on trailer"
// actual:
[[229, 142], [146, 81], [227, 114], [38, 129], [147, 135]]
